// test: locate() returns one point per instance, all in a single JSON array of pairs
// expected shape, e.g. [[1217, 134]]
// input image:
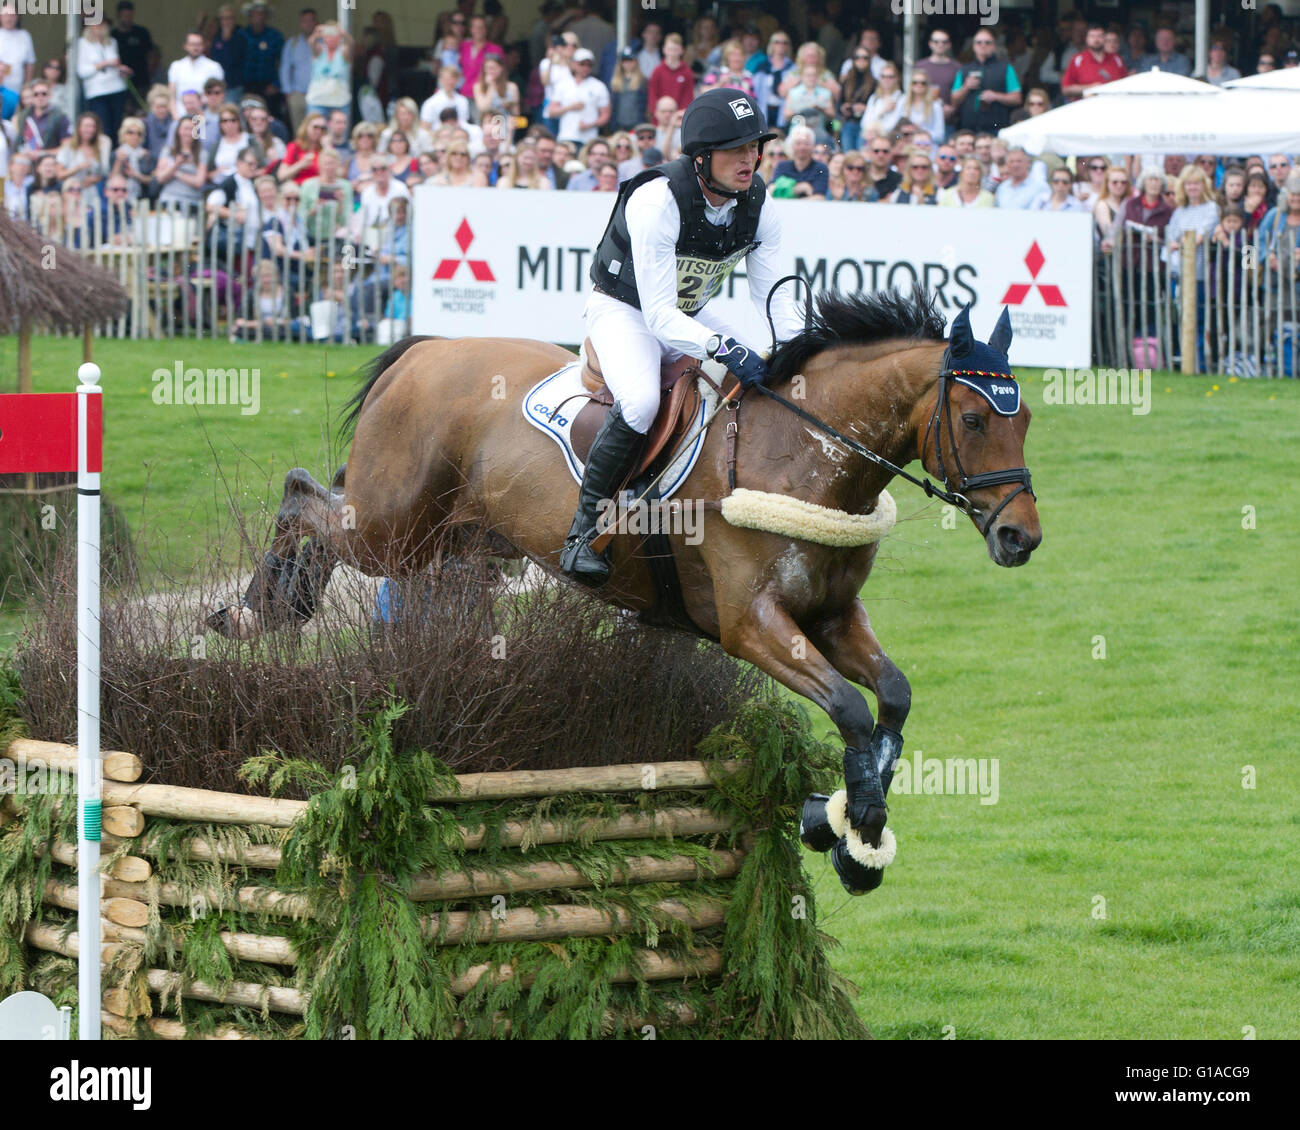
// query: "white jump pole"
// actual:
[[89, 781]]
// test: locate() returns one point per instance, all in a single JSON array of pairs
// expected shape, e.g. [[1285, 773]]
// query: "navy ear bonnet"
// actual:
[[981, 367]]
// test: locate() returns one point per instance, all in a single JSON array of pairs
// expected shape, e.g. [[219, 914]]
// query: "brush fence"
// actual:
[[135, 884]]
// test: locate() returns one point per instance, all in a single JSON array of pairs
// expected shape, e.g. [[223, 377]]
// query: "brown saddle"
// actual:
[[679, 404]]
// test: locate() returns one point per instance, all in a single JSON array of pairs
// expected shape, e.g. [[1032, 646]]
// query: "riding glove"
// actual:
[[747, 365]]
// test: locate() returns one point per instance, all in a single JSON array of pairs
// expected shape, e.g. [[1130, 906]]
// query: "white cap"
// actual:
[[583, 55]]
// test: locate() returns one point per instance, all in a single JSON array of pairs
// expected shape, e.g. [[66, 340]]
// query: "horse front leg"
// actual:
[[849, 643], [767, 636]]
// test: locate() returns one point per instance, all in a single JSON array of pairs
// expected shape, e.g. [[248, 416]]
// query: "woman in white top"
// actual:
[[406, 119], [885, 106], [969, 191], [923, 108], [85, 156], [230, 141], [183, 167], [101, 71], [555, 70], [1090, 180]]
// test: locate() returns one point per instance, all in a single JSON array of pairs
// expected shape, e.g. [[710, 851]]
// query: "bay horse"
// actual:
[[440, 444]]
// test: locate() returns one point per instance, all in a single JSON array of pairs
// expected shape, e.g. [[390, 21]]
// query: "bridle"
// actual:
[[966, 483], [954, 496]]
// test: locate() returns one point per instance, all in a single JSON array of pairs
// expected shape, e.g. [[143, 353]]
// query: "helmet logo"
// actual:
[[741, 108]]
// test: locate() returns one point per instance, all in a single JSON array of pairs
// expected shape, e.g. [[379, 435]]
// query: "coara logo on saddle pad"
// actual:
[[699, 280]]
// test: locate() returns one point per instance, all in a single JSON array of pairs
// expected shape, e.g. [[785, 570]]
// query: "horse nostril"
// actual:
[[1012, 538]]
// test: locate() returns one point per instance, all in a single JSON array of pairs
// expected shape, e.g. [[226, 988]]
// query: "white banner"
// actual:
[[489, 263]]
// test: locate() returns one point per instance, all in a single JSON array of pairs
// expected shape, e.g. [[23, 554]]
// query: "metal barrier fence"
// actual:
[[280, 276], [1241, 318], [253, 274]]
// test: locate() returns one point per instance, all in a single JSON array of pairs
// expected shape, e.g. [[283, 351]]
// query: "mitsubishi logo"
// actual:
[[1018, 292], [447, 268]]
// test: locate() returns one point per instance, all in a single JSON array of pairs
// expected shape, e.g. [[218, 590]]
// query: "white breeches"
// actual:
[[630, 355]]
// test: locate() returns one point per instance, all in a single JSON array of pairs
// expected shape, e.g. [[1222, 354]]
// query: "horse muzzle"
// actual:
[[1010, 543]]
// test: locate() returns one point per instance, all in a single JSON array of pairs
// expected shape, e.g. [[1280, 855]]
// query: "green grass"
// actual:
[[1118, 777]]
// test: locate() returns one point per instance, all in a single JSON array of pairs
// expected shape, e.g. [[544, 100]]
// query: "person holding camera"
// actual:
[[985, 90]]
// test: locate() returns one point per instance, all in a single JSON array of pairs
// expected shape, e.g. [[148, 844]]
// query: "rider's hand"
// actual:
[[747, 365]]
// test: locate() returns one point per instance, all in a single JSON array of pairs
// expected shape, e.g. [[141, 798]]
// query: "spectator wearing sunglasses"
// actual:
[[855, 186], [917, 185], [881, 174], [940, 68]]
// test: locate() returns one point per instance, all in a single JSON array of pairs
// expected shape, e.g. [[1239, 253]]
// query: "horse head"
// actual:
[[973, 440]]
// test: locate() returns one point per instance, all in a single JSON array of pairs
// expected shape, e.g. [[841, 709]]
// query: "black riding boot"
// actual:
[[613, 457]]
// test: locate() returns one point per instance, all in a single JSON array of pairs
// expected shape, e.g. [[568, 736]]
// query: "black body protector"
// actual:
[[706, 253]]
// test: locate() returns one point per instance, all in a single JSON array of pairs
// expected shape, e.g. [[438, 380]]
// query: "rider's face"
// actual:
[[734, 168]]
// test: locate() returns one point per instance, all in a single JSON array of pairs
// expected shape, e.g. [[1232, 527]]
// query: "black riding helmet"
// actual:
[[722, 119]]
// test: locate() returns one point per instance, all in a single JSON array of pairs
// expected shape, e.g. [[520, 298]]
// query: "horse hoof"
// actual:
[[873, 825], [854, 878], [815, 829], [861, 868], [238, 623]]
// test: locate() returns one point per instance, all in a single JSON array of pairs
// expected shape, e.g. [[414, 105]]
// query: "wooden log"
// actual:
[[561, 922], [651, 966], [275, 997], [123, 821], [178, 803], [245, 947], [130, 868], [118, 765], [236, 808], [166, 1029], [119, 1001], [668, 823], [651, 776], [255, 899], [124, 911], [47, 937], [428, 887]]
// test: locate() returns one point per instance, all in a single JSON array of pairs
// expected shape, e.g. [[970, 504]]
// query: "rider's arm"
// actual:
[[653, 222], [762, 267]]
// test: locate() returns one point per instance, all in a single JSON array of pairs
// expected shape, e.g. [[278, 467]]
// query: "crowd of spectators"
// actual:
[[323, 135]]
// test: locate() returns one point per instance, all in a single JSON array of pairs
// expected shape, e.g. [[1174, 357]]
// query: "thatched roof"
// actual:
[[66, 297]]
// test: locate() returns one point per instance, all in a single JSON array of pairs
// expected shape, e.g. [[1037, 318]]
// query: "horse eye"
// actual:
[[972, 421]]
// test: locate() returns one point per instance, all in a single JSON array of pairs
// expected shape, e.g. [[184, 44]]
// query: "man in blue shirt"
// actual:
[[812, 178], [263, 46], [295, 68]]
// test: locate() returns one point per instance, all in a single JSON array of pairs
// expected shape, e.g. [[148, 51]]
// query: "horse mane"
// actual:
[[861, 318], [370, 373]]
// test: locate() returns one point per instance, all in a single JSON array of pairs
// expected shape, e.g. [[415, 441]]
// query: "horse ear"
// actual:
[[1000, 339], [960, 339]]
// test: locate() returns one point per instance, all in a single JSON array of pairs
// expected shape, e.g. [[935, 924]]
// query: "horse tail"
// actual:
[[370, 372]]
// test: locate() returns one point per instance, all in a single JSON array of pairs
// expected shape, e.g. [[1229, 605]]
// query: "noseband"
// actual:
[[966, 483]]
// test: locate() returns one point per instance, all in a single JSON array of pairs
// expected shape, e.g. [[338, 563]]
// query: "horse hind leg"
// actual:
[[290, 579]]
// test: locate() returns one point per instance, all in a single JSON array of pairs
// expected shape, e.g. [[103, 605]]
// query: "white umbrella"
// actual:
[[1288, 78], [1204, 119], [1153, 81]]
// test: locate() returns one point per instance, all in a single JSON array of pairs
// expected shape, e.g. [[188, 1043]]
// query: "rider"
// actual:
[[677, 231]]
